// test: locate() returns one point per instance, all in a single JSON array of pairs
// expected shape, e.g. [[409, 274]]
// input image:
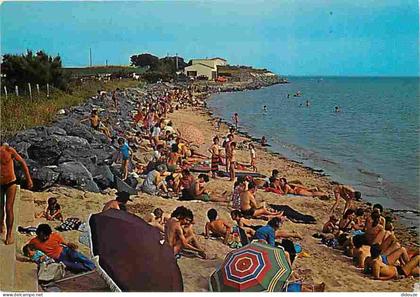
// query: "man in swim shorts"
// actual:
[[8, 185]]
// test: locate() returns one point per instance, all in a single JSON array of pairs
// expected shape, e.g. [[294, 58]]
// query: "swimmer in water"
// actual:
[[337, 109], [307, 103], [265, 108]]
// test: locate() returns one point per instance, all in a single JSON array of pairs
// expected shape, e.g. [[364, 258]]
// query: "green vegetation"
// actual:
[[19, 70], [96, 70], [159, 69], [19, 113]]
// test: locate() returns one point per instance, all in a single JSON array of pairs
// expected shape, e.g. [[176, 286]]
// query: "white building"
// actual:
[[204, 67]]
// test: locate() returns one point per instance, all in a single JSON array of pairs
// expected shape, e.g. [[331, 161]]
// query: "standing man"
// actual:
[[348, 194], [235, 119], [8, 187]]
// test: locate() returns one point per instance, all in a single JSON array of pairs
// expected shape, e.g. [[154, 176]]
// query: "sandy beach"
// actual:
[[323, 263]]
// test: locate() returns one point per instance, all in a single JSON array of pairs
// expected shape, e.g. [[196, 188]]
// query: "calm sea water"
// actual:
[[372, 144]]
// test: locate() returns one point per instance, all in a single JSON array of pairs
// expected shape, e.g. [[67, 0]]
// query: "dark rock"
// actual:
[[46, 152], [103, 177], [22, 149], [76, 175], [131, 181], [44, 177]]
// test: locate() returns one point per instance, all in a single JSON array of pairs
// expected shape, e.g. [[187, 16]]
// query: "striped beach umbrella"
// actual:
[[255, 267]]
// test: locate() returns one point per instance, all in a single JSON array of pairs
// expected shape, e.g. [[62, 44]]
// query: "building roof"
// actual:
[[218, 58], [201, 65]]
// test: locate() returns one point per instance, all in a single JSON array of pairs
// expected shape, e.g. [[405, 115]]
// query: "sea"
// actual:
[[372, 143]]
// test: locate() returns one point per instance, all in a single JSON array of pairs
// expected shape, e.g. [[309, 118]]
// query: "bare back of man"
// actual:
[[8, 188], [249, 207]]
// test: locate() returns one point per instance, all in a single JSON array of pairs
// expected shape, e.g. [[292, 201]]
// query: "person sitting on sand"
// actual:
[[157, 219], [348, 194], [331, 225], [379, 209], [239, 186], [118, 203], [346, 224], [375, 232], [214, 150], [52, 211], [186, 180], [54, 246], [382, 271], [245, 224], [249, 207], [361, 250], [198, 191], [174, 159], [299, 190], [8, 187], [359, 220], [179, 234], [217, 227], [154, 181]]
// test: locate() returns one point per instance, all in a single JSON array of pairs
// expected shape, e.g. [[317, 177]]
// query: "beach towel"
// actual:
[[293, 215], [200, 168], [69, 224]]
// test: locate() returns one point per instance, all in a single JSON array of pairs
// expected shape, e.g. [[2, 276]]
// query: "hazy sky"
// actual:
[[312, 37]]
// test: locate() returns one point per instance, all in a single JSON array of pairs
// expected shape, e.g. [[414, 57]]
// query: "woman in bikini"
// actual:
[[214, 150], [299, 190]]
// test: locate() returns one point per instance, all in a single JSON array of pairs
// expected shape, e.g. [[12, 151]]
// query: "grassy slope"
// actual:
[[20, 113]]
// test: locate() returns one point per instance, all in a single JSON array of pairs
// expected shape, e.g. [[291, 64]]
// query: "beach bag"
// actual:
[[51, 272]]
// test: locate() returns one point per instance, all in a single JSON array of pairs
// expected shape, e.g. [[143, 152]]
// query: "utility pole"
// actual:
[[106, 63], [176, 61], [90, 57]]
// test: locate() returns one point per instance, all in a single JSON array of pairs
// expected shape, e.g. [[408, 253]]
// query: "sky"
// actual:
[[289, 37]]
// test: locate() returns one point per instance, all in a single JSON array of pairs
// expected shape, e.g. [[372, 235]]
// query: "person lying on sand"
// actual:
[[198, 191], [348, 194], [380, 270], [118, 203], [300, 190], [179, 234], [52, 211], [217, 227], [53, 245], [249, 207], [157, 219]]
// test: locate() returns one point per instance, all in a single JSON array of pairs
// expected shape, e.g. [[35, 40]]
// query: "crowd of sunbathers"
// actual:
[[369, 238]]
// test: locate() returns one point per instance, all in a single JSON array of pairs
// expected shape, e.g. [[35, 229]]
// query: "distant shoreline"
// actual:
[[404, 231]]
